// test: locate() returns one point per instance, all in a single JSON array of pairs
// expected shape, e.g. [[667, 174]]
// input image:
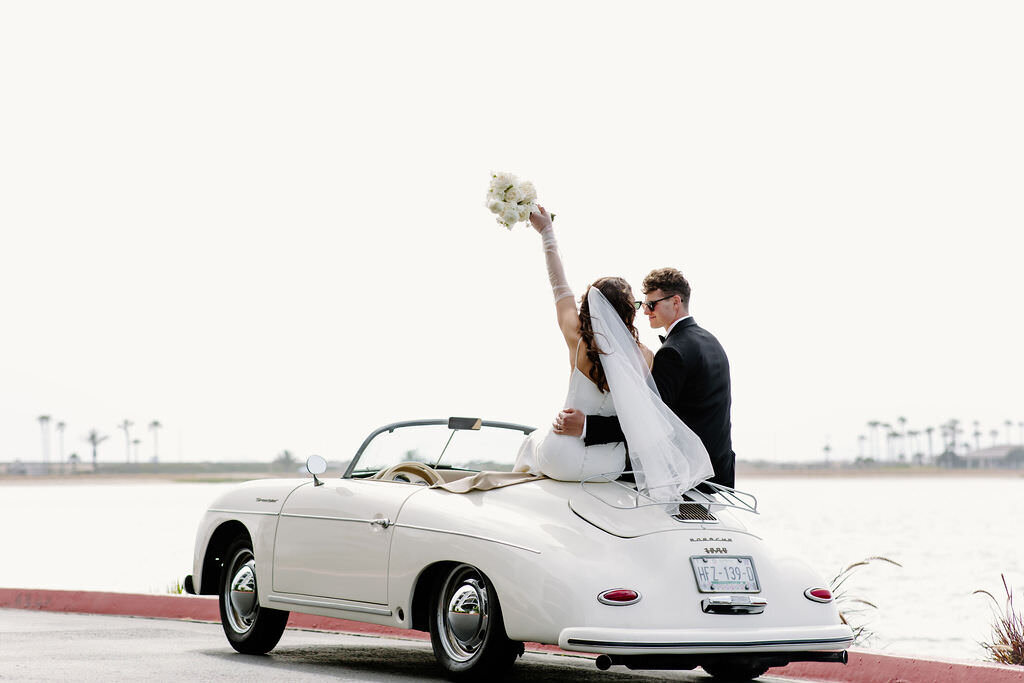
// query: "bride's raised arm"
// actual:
[[565, 304]]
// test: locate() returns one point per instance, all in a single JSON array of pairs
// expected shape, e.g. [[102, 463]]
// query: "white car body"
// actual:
[[372, 550]]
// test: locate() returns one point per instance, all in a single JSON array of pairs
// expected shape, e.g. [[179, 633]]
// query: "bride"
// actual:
[[610, 375]]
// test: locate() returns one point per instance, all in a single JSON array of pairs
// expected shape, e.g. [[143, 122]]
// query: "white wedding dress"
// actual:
[[565, 457], [666, 457]]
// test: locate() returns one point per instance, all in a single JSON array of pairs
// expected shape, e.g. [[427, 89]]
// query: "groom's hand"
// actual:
[[569, 422]]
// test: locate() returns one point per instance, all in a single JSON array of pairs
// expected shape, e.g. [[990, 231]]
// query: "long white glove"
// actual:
[[556, 274]]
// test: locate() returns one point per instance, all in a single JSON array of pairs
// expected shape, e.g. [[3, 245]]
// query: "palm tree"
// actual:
[[929, 431], [860, 444], [953, 431], [60, 449], [890, 437], [873, 424], [135, 443], [95, 439], [915, 451], [1008, 423], [995, 435], [888, 440], [154, 427], [977, 435], [903, 435], [126, 426], [44, 422]]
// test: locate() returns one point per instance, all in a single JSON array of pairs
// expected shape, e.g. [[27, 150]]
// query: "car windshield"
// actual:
[[492, 447]]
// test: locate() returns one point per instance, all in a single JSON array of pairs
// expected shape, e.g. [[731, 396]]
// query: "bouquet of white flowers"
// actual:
[[511, 199]]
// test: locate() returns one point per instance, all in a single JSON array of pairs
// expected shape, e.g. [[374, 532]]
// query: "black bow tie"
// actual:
[[662, 338]]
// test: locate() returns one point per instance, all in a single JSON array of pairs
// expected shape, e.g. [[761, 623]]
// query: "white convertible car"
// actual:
[[588, 566]]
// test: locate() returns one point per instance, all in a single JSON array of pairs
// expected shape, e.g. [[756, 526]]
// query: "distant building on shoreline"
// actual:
[[994, 457]]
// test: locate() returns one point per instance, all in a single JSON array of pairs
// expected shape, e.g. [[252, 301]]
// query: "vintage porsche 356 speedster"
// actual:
[[589, 566]]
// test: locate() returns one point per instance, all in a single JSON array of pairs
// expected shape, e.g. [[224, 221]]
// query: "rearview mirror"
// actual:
[[464, 423]]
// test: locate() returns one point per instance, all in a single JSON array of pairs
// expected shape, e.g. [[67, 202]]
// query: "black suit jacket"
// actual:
[[691, 371]]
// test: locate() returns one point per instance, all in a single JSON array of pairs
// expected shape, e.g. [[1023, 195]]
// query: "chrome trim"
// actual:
[[330, 605], [460, 533], [329, 518], [722, 496], [815, 598], [838, 642], [242, 512], [601, 599], [421, 423], [733, 604]]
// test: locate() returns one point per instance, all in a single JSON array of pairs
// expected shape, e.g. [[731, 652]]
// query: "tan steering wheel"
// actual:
[[412, 472]]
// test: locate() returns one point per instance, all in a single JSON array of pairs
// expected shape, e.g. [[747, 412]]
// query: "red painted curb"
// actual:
[[191, 607], [869, 667], [864, 667]]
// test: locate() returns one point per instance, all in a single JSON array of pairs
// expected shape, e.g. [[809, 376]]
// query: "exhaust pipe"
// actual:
[[837, 657], [604, 662]]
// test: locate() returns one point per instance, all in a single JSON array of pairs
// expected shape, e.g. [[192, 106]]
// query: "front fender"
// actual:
[[251, 509]]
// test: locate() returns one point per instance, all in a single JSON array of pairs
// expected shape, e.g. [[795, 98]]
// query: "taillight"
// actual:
[[619, 596], [818, 594]]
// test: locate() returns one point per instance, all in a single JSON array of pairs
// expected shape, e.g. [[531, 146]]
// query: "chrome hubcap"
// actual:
[[462, 613], [241, 604]]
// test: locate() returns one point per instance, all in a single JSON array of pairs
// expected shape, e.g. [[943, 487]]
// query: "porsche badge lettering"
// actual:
[[266, 500], [710, 540]]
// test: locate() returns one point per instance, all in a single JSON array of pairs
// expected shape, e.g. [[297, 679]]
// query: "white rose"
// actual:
[[510, 199], [528, 191]]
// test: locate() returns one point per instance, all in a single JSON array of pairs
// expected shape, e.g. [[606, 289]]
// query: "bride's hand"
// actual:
[[540, 219]]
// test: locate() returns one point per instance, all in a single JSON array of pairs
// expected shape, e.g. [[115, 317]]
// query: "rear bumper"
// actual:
[[705, 641]]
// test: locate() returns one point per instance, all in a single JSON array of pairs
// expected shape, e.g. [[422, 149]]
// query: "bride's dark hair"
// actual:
[[620, 295]]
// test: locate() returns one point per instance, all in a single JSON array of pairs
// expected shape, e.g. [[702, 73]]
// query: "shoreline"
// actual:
[[743, 471]]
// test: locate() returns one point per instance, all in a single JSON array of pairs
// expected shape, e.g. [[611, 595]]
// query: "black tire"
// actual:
[[735, 671], [466, 628], [251, 629]]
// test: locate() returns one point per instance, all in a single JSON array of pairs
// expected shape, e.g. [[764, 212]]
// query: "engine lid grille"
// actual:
[[694, 512]]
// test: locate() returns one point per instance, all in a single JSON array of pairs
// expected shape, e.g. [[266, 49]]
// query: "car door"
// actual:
[[333, 541]]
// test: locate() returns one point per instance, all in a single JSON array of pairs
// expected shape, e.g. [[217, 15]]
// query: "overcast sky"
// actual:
[[262, 224]]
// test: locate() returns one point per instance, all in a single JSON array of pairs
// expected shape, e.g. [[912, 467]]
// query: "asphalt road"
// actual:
[[53, 646]]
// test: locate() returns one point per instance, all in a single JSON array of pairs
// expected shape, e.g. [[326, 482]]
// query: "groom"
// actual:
[[691, 371]]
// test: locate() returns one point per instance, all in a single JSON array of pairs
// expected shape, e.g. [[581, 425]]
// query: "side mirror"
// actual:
[[315, 464]]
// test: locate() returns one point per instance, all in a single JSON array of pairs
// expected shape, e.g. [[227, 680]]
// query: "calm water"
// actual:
[[952, 536]]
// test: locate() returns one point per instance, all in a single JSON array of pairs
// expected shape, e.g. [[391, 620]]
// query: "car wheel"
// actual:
[[735, 671], [251, 629], [466, 629]]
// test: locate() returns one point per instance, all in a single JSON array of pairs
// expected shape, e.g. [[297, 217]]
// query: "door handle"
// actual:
[[382, 523]]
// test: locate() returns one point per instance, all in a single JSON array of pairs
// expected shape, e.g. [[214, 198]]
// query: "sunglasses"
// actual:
[[650, 304]]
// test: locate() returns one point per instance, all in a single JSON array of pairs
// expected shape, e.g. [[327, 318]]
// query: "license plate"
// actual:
[[725, 574]]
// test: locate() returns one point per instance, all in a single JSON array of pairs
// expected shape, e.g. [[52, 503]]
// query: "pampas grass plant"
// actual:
[[1007, 645], [852, 606]]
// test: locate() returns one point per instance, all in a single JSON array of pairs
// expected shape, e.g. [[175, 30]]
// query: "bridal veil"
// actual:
[[667, 457]]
